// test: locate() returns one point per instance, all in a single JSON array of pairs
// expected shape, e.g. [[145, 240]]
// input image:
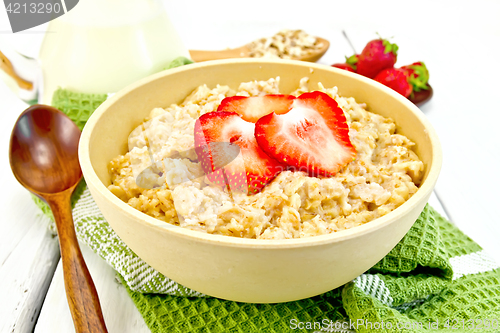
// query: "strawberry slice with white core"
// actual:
[[312, 137], [248, 173], [255, 107]]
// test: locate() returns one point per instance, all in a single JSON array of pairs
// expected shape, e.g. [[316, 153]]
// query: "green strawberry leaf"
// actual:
[[419, 77], [390, 47], [352, 60]]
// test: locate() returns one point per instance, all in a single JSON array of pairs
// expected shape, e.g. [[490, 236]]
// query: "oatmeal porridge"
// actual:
[[385, 173]]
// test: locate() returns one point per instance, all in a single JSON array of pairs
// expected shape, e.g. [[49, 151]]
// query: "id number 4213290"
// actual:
[[34, 8]]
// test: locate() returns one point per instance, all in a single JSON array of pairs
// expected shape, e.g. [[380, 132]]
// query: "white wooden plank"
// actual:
[[17, 211], [120, 313], [25, 276], [466, 119], [28, 251], [436, 204]]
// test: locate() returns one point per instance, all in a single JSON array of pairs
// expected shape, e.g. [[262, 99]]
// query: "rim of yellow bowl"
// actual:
[[148, 221]]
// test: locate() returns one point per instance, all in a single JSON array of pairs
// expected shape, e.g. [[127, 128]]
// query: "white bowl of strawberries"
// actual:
[[305, 145]]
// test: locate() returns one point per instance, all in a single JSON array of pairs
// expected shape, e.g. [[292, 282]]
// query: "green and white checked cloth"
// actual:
[[435, 280]]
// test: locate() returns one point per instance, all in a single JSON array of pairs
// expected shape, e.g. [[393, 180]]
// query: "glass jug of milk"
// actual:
[[101, 46]]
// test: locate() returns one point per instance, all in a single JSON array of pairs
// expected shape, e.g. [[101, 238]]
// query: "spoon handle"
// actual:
[[80, 290]]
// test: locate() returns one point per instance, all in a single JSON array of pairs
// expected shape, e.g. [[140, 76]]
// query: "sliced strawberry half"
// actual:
[[312, 137], [255, 107], [248, 173]]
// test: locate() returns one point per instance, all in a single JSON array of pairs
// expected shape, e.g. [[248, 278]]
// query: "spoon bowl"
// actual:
[[44, 150], [44, 159], [244, 52]]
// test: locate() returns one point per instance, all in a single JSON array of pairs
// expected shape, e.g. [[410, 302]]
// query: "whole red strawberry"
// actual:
[[377, 55], [418, 75], [350, 63], [396, 79]]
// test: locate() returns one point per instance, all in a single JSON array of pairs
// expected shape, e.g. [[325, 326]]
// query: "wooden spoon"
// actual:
[[244, 52], [44, 159]]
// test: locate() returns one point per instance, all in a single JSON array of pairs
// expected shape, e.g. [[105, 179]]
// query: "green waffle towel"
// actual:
[[435, 280]]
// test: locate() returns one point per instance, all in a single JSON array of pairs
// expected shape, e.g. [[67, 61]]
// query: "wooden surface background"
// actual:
[[458, 40]]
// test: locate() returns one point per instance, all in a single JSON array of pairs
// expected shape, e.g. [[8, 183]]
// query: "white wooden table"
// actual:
[[458, 40]]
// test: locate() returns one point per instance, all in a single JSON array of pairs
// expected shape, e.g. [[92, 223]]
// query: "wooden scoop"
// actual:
[[44, 159], [244, 52]]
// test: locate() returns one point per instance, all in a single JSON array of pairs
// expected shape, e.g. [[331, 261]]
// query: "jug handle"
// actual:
[[24, 74], [7, 67]]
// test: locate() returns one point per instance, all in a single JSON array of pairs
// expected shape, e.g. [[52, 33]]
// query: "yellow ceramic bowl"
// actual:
[[249, 270]]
